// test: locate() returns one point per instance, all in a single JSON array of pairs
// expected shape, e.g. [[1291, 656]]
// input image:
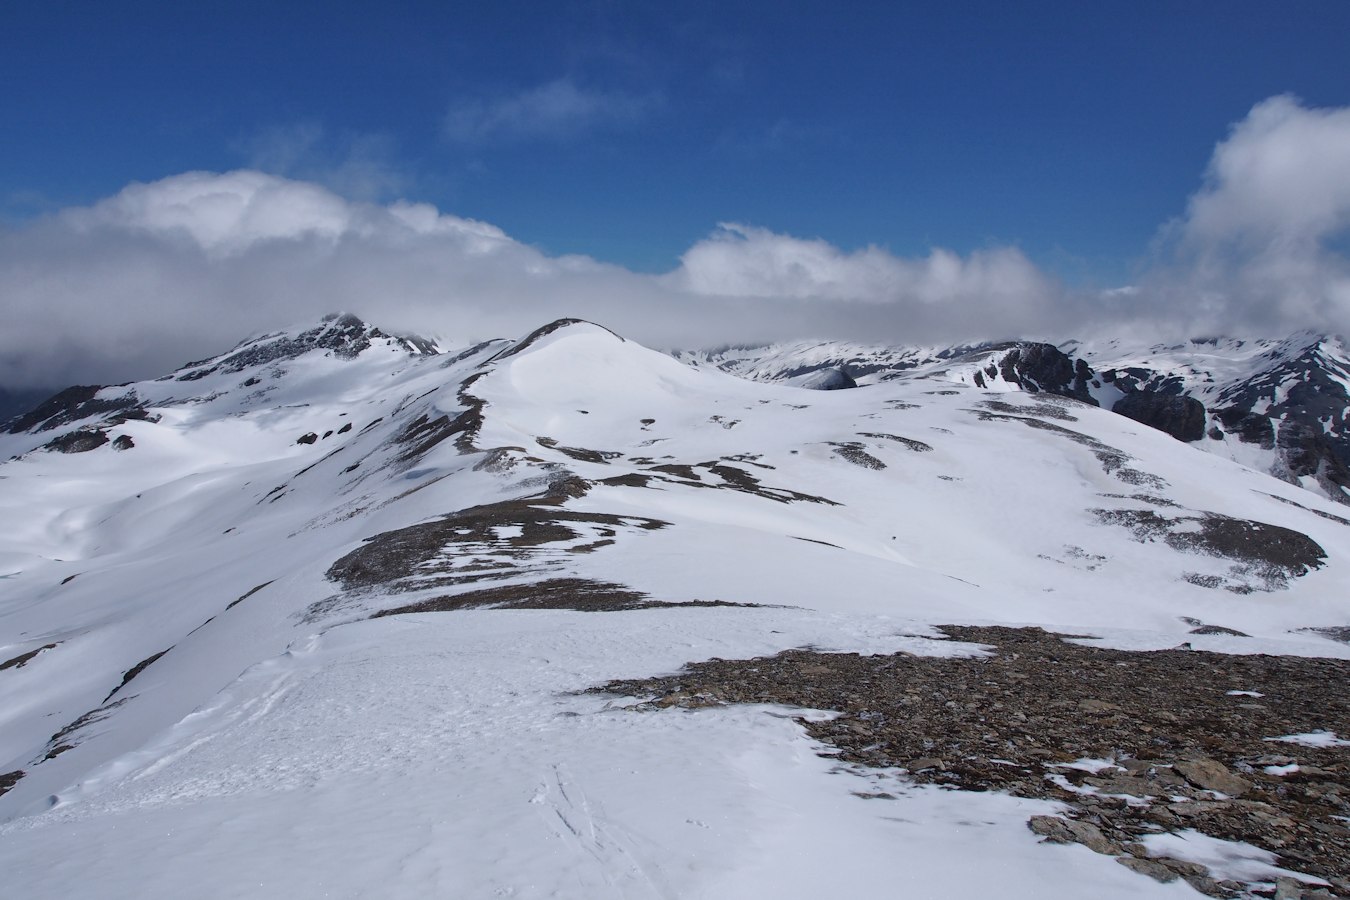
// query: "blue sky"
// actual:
[[1071, 131], [174, 176]]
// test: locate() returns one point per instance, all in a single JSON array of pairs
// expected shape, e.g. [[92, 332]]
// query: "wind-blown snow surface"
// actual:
[[209, 711]]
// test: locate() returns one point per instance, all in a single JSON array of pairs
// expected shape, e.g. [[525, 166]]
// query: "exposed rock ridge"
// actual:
[[342, 334]]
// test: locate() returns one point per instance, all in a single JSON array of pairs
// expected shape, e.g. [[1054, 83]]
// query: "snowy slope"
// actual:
[[253, 658], [1276, 405]]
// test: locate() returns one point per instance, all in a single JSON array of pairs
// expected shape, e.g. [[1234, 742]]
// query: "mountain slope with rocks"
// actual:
[[338, 612], [1276, 405]]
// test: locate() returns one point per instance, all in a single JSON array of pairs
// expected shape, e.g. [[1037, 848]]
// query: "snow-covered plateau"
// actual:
[[343, 614]]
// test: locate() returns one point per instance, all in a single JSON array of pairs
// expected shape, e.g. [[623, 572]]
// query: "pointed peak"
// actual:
[[342, 335]]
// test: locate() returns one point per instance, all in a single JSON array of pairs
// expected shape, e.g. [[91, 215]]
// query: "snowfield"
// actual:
[[443, 756], [204, 693]]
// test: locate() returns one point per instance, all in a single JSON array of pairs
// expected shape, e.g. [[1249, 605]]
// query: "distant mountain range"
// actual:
[[1276, 405]]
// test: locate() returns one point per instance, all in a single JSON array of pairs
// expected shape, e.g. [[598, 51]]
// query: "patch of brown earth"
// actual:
[[135, 670], [67, 738], [9, 779], [854, 453], [494, 541], [582, 454], [1265, 556], [23, 659], [1113, 461], [581, 594], [734, 479], [916, 446]]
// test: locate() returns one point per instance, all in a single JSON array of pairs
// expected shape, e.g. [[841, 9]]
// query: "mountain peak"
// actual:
[[342, 335], [553, 327]]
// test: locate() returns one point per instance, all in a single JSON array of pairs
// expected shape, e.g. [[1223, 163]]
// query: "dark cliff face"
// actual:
[[1176, 414], [1297, 407], [1294, 405], [1249, 427], [1136, 378], [1038, 367], [1307, 451]]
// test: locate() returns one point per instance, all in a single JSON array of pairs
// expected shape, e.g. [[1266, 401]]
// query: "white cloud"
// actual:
[[552, 111], [229, 214], [1255, 250], [744, 261], [221, 215], [1282, 177]]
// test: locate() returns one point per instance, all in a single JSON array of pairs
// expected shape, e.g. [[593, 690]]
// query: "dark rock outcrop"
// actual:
[[1180, 416], [1309, 451], [343, 335], [1298, 408], [1036, 368], [1265, 556], [1044, 367], [1250, 427], [834, 378], [63, 403], [17, 402], [70, 405], [79, 441]]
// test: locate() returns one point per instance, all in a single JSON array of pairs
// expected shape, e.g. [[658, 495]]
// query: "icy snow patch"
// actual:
[[1226, 860], [1088, 790], [1313, 739], [1092, 766]]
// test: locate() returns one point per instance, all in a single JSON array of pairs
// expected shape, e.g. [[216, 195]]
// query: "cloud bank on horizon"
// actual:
[[183, 267]]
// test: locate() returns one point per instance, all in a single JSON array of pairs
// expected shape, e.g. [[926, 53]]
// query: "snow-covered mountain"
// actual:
[[1276, 405], [324, 615]]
